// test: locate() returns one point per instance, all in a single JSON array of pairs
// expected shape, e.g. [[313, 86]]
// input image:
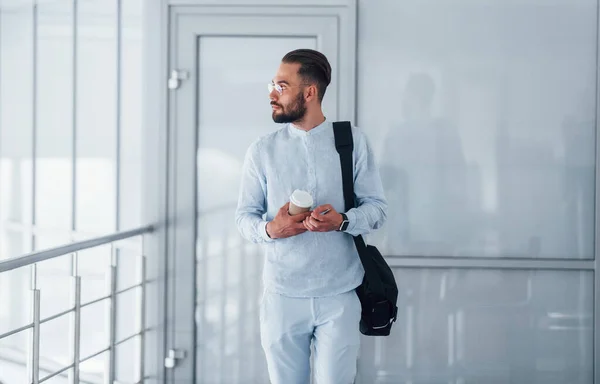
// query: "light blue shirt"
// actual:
[[312, 264]]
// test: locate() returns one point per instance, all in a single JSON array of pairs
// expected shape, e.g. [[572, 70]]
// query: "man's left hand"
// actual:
[[323, 219]]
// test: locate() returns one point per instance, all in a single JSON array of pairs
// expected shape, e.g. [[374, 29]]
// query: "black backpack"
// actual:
[[378, 292]]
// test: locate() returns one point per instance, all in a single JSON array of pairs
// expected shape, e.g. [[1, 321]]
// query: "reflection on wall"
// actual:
[[485, 132], [424, 175]]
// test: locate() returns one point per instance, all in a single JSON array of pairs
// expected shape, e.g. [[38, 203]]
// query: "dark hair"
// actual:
[[314, 67]]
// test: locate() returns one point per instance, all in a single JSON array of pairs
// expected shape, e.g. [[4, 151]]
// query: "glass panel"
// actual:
[[95, 337], [493, 327], [490, 146], [13, 358], [227, 318], [16, 116], [131, 114], [54, 345], [228, 268], [127, 362], [127, 314], [14, 242], [96, 116], [53, 200], [63, 378], [15, 299], [94, 269], [93, 370], [129, 271], [55, 283]]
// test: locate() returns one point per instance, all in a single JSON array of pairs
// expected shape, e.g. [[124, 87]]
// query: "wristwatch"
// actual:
[[345, 223]]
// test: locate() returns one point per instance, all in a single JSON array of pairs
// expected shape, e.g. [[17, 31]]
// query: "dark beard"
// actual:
[[293, 113]]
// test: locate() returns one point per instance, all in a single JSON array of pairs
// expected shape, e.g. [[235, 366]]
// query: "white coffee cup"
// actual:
[[300, 201]]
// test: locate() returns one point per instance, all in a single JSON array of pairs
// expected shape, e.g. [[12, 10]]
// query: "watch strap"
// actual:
[[345, 222]]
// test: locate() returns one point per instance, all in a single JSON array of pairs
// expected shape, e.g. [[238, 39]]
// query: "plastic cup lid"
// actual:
[[301, 199]]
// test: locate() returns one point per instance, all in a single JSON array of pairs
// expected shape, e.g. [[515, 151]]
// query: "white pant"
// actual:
[[289, 324]]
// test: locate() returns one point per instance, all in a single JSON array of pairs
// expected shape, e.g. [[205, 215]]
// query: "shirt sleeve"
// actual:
[[252, 199], [371, 206]]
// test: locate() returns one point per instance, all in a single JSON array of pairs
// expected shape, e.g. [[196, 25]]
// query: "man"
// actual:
[[312, 266]]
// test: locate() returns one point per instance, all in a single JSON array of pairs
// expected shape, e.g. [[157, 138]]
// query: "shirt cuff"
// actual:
[[351, 214], [262, 229]]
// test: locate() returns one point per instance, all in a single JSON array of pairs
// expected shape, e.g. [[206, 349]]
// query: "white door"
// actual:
[[229, 55]]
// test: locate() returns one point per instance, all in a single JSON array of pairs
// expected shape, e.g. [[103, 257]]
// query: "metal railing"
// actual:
[[72, 371]]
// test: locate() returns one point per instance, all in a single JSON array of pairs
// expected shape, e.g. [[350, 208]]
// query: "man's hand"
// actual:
[[285, 225], [323, 219]]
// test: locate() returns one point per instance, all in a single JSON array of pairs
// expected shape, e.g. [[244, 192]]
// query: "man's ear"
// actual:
[[311, 92]]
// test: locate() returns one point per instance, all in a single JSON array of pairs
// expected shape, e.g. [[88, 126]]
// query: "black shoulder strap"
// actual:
[[344, 145]]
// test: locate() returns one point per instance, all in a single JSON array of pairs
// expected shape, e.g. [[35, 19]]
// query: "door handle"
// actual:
[[177, 75]]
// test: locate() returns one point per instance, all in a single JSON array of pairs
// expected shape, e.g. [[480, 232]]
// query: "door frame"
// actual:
[[170, 316]]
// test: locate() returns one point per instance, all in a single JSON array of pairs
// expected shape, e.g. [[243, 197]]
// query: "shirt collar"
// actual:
[[324, 126]]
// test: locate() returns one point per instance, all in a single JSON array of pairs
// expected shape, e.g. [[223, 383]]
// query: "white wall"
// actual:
[[483, 116]]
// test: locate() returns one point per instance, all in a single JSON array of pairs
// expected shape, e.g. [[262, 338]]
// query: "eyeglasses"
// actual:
[[280, 88]]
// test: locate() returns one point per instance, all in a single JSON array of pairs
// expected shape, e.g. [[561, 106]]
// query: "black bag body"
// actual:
[[378, 292]]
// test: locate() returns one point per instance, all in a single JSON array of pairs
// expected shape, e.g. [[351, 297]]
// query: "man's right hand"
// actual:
[[285, 225]]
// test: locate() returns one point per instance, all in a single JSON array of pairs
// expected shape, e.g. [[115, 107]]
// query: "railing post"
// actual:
[[112, 317], [142, 319], [34, 345], [75, 320]]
